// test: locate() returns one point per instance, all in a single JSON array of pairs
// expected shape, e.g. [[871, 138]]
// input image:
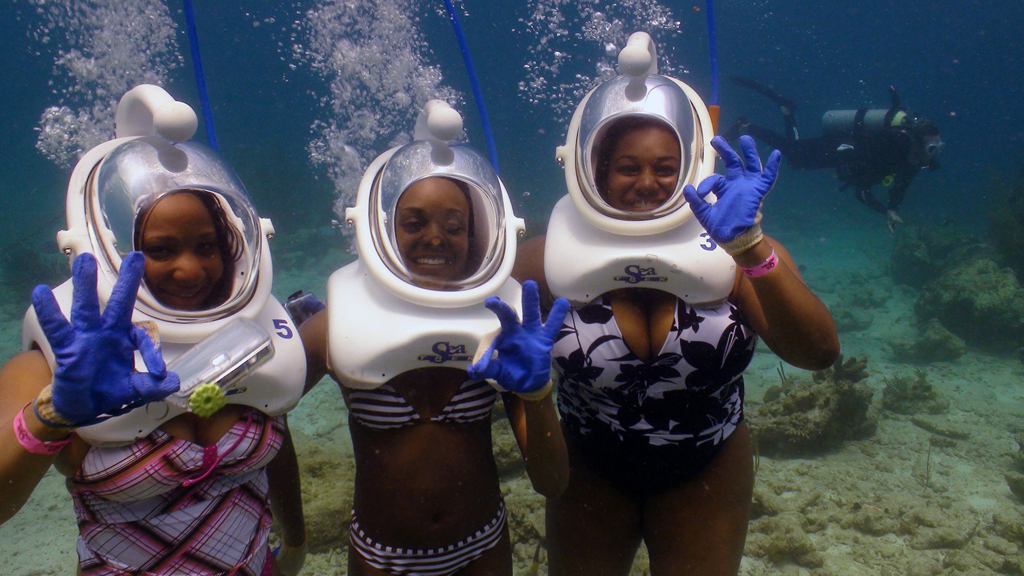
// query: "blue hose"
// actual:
[[477, 95], [197, 65], [713, 50]]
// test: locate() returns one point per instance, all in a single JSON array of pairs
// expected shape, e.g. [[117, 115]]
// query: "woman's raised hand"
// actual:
[[733, 221], [523, 364], [95, 353]]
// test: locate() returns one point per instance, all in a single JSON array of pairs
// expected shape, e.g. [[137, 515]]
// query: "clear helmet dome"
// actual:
[[612, 110], [141, 174], [438, 217]]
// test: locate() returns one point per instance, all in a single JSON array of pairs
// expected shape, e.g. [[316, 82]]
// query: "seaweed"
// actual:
[[911, 395], [850, 371]]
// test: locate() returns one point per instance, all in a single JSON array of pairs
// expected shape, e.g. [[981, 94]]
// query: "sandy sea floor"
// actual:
[[897, 503]]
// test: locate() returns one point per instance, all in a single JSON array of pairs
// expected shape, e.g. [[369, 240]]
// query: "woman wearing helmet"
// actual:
[[436, 239], [669, 295], [166, 479]]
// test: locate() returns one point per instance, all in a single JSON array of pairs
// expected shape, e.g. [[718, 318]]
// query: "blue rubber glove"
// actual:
[[734, 220], [523, 364], [95, 354]]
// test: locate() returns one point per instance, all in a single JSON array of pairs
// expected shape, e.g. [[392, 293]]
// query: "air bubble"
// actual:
[[575, 45], [99, 59], [377, 74]]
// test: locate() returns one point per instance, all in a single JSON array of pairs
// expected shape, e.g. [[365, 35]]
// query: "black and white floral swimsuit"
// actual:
[[680, 405]]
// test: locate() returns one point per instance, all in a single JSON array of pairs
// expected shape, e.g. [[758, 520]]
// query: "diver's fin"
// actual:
[[736, 130], [765, 91], [895, 98]]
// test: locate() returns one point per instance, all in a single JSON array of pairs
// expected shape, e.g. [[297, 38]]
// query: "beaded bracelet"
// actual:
[[763, 268], [33, 444]]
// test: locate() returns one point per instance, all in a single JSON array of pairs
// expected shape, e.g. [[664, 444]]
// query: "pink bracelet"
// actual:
[[33, 444], [763, 268]]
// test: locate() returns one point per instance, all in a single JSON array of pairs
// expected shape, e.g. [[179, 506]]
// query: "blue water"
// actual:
[[956, 64], [273, 89]]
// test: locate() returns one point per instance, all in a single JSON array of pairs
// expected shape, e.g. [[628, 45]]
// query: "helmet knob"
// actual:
[[634, 60], [444, 123], [148, 110], [175, 121], [638, 60], [438, 124]]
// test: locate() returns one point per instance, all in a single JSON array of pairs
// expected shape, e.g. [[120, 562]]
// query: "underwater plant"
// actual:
[[850, 372], [934, 344], [912, 394]]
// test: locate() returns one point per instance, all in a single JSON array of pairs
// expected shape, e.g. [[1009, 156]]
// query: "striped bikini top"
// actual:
[[384, 408]]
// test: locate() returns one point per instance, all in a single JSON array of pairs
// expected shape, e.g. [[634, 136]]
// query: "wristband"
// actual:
[[538, 394], [763, 268], [33, 444]]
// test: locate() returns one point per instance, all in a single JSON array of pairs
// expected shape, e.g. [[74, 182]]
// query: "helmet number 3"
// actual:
[[708, 244]]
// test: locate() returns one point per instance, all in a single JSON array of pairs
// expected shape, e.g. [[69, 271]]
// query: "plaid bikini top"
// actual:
[[163, 505]]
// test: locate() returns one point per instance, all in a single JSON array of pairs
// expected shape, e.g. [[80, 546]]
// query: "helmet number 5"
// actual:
[[283, 329]]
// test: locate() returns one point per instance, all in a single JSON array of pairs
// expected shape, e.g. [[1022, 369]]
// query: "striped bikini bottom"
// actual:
[[430, 562]]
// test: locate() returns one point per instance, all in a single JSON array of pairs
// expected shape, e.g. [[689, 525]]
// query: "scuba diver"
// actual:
[[177, 462], [867, 147], [669, 295], [436, 238]]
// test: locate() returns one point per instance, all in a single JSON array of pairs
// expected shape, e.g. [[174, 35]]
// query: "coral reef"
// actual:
[[934, 344], [782, 539], [920, 254], [783, 387], [979, 302], [812, 417], [1006, 225], [912, 394]]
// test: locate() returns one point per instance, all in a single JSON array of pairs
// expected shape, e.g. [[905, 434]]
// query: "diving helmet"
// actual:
[[638, 92], [434, 224], [116, 185]]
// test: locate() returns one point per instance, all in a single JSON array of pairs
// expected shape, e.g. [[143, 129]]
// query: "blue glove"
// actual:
[[523, 364], [734, 220], [95, 373]]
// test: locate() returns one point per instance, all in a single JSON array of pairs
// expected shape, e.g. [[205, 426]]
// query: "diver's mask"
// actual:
[[638, 92], [434, 224], [933, 148], [116, 184], [142, 172]]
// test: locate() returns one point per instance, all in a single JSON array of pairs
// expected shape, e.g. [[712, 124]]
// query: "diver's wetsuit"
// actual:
[[859, 162]]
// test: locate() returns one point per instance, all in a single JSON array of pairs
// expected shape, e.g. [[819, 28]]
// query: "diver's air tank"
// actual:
[[861, 122]]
